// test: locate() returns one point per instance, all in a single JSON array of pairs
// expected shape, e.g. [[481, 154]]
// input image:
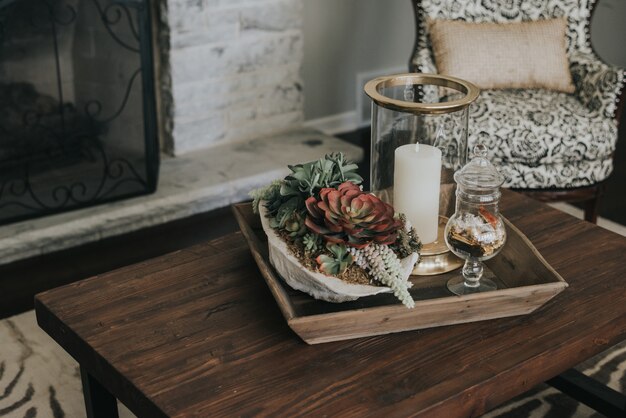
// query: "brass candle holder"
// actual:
[[435, 257]]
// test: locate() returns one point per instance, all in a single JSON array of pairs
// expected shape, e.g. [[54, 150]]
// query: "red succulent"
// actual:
[[349, 216]]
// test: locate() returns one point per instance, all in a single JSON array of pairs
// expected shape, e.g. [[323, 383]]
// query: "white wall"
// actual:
[[608, 31], [345, 37], [235, 70]]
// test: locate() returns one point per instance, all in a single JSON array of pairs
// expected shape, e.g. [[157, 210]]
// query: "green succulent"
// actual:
[[282, 214], [295, 225], [269, 193], [407, 242], [312, 243], [286, 197], [344, 170], [336, 263], [350, 216], [384, 266], [307, 179]]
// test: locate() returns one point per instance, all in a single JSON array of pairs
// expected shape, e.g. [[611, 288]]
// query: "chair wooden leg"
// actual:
[[592, 206], [591, 210]]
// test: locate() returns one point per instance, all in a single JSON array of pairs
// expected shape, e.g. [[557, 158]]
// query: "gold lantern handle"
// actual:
[[373, 87]]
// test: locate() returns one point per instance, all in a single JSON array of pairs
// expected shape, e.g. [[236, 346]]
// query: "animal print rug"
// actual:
[[38, 379]]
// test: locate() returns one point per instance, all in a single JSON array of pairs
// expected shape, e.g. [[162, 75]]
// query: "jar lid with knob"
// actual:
[[479, 178]]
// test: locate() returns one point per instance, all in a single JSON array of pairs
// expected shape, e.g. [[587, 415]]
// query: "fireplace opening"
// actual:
[[77, 105]]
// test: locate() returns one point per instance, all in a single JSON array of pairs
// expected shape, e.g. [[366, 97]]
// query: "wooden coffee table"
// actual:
[[197, 333]]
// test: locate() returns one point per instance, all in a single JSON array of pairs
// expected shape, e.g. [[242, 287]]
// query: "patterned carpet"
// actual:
[[39, 380], [608, 367]]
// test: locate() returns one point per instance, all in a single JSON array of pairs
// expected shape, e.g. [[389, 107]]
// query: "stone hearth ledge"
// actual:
[[190, 184]]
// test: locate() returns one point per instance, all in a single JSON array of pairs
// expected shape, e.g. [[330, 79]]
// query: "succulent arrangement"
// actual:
[[321, 211]]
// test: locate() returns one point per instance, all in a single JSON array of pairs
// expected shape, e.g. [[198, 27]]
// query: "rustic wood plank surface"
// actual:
[[197, 333]]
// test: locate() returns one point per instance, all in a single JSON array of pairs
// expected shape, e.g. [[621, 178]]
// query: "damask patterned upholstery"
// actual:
[[539, 139]]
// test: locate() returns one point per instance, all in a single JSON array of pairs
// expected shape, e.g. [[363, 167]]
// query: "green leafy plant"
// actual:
[[309, 178], [312, 243], [283, 214], [326, 216], [407, 241], [269, 193], [295, 226], [336, 263], [349, 216], [285, 197]]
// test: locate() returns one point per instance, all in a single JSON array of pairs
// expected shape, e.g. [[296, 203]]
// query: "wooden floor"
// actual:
[[21, 280]]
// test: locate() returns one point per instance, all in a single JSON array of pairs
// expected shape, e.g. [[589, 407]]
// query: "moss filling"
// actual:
[[353, 274]]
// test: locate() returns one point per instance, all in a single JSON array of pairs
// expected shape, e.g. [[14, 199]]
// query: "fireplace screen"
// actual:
[[77, 108]]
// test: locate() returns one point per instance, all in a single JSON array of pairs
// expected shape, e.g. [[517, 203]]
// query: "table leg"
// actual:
[[592, 393], [99, 402]]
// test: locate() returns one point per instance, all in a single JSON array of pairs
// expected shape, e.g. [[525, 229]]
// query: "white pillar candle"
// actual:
[[417, 175]]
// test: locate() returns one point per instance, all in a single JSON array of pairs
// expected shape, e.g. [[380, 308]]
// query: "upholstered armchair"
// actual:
[[553, 146]]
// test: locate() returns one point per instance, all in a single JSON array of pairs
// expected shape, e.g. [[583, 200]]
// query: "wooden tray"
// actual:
[[525, 282]]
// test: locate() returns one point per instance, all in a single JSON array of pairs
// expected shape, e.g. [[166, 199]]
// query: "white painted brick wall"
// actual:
[[235, 69]]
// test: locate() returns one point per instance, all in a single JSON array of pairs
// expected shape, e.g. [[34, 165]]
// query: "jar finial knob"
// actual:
[[480, 150]]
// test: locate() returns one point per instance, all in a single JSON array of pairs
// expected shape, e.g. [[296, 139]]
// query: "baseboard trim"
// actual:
[[335, 124]]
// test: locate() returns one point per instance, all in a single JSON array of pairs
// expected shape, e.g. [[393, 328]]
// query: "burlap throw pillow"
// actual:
[[522, 55]]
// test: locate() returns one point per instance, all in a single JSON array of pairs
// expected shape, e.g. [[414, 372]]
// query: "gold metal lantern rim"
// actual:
[[373, 87]]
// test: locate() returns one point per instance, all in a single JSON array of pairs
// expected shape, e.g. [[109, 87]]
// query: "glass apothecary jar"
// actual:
[[475, 232]]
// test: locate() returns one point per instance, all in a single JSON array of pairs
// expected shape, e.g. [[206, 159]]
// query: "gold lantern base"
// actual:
[[435, 257]]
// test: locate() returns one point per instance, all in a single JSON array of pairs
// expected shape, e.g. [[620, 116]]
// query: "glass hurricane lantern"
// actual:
[[431, 109]]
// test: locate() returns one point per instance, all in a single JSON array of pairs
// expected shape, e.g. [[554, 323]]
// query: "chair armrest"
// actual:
[[598, 85]]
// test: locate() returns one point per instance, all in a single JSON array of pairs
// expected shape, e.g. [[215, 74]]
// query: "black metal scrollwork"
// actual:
[[41, 130], [112, 15], [93, 108]]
